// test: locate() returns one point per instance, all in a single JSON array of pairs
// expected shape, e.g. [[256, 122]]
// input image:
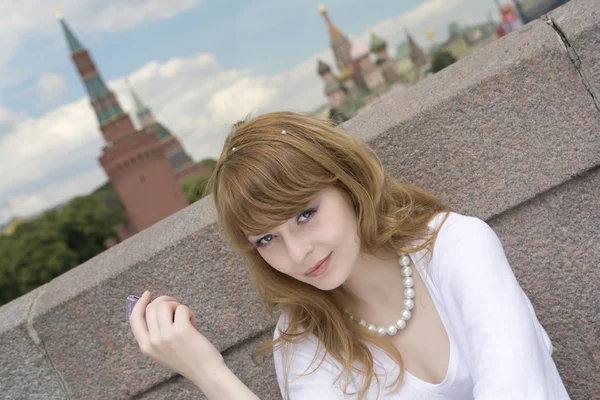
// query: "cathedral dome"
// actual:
[[377, 43], [323, 68], [359, 50]]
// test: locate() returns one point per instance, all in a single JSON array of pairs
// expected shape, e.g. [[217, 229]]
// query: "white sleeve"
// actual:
[[510, 353], [318, 385]]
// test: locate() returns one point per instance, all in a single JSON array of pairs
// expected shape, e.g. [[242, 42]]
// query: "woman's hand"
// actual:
[[169, 336]]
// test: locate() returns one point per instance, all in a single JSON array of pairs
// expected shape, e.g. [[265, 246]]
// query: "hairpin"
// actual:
[[233, 149], [284, 132]]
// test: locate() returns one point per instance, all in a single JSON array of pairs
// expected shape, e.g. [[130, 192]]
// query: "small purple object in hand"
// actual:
[[131, 300]]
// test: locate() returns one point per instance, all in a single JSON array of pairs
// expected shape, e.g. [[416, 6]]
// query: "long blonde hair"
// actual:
[[271, 167]]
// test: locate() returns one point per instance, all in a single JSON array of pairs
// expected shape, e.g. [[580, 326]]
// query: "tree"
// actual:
[[60, 239], [85, 223], [454, 29], [209, 163], [195, 187], [441, 59]]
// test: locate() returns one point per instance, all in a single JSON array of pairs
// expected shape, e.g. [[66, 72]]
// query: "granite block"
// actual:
[[184, 256], [579, 22], [492, 130], [553, 245], [25, 370]]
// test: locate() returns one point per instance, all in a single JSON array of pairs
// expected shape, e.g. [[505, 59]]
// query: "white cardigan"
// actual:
[[498, 349]]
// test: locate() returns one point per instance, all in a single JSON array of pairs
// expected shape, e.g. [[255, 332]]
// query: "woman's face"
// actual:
[[324, 234]]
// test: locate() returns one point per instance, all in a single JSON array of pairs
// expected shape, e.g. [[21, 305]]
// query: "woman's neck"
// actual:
[[374, 283]]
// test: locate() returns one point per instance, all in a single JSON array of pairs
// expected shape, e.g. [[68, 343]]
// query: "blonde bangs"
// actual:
[[265, 184]]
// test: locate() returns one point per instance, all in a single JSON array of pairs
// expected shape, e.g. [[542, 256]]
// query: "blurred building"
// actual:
[[181, 163], [463, 40], [143, 165], [358, 76]]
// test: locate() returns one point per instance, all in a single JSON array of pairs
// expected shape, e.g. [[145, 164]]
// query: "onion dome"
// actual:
[[377, 43], [323, 68], [359, 50]]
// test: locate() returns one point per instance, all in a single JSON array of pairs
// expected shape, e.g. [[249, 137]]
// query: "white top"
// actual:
[[498, 349]]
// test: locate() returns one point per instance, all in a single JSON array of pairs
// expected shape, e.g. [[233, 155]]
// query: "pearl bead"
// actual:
[[405, 315]]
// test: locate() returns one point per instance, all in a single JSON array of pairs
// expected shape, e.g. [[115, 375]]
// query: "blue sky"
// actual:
[[200, 65]]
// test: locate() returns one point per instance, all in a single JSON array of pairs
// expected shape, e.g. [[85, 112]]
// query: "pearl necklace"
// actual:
[[409, 294]]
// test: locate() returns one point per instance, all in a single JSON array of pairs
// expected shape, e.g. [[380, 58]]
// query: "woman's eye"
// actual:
[[306, 215], [263, 241], [301, 219]]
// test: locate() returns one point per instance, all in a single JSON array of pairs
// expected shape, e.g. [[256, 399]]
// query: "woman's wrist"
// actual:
[[218, 382]]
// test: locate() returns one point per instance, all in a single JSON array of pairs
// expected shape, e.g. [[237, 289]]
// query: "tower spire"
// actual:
[[334, 33], [72, 40], [417, 55], [103, 100], [140, 106], [339, 43], [142, 111]]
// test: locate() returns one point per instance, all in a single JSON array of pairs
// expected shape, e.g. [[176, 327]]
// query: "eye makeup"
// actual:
[[301, 219]]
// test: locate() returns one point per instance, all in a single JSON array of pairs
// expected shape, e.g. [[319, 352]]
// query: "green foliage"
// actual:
[[209, 163], [441, 59], [195, 187], [62, 238], [454, 29]]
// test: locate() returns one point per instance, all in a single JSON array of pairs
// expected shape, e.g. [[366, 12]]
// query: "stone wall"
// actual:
[[510, 134]]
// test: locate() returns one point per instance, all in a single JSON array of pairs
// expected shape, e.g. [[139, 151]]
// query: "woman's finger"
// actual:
[[136, 319], [152, 322], [184, 316], [165, 315]]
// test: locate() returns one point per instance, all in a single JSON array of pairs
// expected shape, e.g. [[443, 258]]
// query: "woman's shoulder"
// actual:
[[453, 221], [458, 227], [458, 238]]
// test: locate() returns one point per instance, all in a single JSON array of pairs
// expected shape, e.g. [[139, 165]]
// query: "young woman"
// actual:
[[380, 290]]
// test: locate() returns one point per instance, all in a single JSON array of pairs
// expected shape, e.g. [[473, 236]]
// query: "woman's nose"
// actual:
[[298, 250]]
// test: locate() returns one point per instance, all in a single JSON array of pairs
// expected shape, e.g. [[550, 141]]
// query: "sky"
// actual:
[[200, 65]]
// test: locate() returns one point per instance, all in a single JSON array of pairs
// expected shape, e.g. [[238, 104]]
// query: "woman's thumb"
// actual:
[[183, 315]]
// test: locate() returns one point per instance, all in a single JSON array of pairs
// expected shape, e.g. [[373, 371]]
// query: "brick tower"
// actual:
[[133, 160], [181, 163]]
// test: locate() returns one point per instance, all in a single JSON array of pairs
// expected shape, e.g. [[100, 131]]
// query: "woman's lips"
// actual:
[[320, 267]]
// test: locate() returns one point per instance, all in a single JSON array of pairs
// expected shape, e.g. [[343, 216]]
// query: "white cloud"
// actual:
[[7, 117], [57, 192], [52, 87], [194, 97], [40, 147], [116, 15], [24, 19]]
